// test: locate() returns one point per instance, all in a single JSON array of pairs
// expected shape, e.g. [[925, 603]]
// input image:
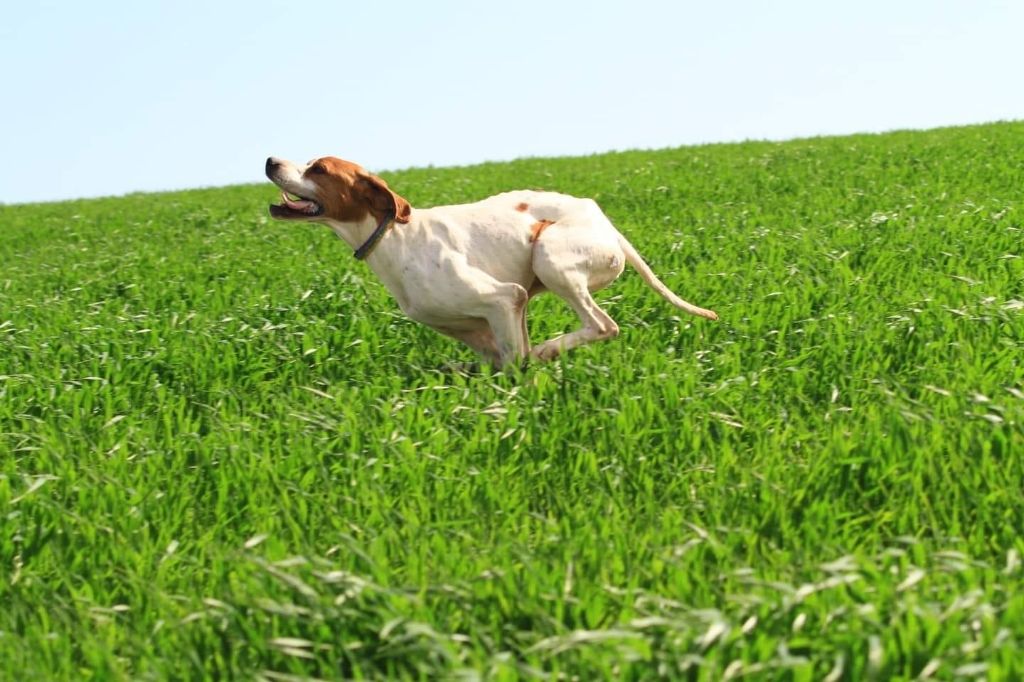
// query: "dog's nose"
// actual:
[[272, 164]]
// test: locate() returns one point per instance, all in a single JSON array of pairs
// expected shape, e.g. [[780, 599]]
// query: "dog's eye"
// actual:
[[316, 169]]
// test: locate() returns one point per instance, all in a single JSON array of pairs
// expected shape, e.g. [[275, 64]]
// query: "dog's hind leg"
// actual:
[[597, 324], [571, 270]]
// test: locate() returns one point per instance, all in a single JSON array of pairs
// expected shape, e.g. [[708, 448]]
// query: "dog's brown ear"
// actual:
[[383, 201]]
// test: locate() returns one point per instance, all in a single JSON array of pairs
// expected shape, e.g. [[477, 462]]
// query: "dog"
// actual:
[[469, 270]]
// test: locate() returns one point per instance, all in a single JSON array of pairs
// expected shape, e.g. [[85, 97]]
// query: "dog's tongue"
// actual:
[[301, 205]]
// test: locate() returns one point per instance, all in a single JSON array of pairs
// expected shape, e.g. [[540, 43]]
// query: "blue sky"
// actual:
[[105, 98]]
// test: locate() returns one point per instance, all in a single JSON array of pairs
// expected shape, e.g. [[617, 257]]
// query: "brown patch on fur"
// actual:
[[539, 227], [522, 206], [347, 192]]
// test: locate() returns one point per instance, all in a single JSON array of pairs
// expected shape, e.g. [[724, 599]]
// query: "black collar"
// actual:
[[364, 250]]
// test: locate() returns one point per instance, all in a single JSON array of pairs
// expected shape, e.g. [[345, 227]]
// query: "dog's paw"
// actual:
[[545, 352]]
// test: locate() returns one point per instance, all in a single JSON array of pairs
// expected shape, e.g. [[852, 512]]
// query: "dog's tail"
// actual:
[[634, 259]]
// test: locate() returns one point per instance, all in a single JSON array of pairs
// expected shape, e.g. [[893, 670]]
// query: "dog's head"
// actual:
[[329, 188]]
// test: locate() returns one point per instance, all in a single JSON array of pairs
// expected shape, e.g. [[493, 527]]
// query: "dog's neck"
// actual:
[[354, 234], [382, 260]]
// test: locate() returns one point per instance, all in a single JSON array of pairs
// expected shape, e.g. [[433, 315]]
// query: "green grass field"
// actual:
[[224, 453]]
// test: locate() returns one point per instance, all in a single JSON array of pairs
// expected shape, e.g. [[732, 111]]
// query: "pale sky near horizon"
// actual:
[[105, 98]]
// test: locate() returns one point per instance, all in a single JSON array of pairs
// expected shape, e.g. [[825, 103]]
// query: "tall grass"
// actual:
[[224, 453]]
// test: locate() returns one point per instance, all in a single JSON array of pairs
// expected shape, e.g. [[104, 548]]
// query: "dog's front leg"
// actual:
[[481, 340], [504, 310]]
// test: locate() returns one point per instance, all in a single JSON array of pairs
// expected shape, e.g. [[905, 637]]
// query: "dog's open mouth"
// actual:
[[298, 207]]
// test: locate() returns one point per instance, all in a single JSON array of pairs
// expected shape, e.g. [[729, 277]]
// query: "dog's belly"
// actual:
[[447, 324], [450, 309]]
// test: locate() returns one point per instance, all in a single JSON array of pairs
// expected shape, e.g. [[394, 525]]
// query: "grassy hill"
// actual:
[[225, 453]]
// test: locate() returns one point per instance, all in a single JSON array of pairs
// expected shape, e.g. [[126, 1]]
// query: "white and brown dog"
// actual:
[[469, 270]]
